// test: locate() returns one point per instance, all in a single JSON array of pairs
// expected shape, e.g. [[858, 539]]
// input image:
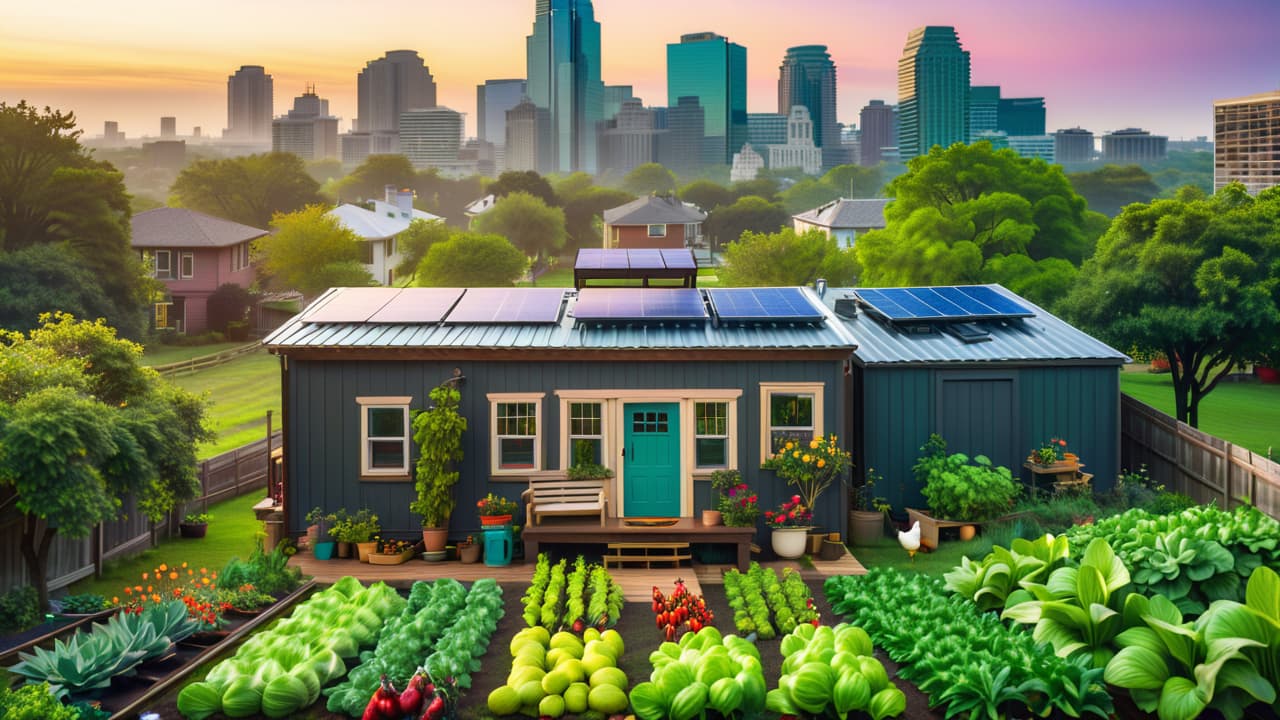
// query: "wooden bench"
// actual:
[[621, 553], [549, 496]]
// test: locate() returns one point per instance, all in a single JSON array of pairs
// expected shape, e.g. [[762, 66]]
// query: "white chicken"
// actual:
[[910, 540]]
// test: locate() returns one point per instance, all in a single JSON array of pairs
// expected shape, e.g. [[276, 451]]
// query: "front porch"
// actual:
[[635, 530]]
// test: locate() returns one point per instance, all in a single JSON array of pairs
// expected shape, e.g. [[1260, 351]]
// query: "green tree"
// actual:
[[1195, 278], [534, 228], [785, 258], [472, 260], [45, 278], [526, 181], [706, 195], [584, 205], [808, 194], [958, 208], [649, 178], [856, 181], [1111, 187], [84, 426], [416, 240], [763, 187], [370, 179], [52, 192], [447, 197], [755, 214], [311, 251], [249, 190]]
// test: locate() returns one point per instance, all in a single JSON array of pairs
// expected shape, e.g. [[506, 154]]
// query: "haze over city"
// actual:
[[1098, 64]]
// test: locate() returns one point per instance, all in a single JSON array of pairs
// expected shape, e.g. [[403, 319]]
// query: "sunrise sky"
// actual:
[[1100, 64]]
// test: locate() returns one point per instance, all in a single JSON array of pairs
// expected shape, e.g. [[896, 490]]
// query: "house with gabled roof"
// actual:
[[844, 219], [192, 254], [653, 221], [379, 227]]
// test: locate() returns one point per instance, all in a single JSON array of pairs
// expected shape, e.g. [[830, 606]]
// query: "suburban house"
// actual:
[[666, 385], [653, 221], [378, 228], [479, 207], [192, 254], [843, 219]]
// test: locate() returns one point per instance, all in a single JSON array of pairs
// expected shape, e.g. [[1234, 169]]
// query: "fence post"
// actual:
[[1228, 461], [98, 542]]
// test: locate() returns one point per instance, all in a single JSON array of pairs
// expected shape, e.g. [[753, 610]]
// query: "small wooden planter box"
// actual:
[[383, 559], [647, 553]]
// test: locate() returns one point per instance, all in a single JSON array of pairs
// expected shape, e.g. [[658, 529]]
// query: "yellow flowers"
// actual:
[[807, 458], [813, 444], [821, 463]]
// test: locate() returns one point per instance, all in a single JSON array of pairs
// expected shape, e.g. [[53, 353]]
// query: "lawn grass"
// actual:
[[240, 393], [165, 354], [887, 552], [1244, 413], [232, 533], [560, 277]]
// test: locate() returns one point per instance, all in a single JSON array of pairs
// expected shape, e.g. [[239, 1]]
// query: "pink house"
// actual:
[[192, 254]]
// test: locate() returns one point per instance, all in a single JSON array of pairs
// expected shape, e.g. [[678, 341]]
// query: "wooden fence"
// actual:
[[228, 475], [206, 361], [1189, 461]]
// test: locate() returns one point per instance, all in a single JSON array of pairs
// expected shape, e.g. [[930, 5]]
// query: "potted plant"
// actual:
[[391, 552], [738, 504], [810, 467], [81, 605], [359, 530], [469, 550], [790, 524], [962, 489], [1051, 452], [496, 510], [438, 434], [323, 545], [867, 518], [194, 525]]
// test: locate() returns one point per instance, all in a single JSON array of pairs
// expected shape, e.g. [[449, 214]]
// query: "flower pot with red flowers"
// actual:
[[790, 525], [738, 504], [496, 510]]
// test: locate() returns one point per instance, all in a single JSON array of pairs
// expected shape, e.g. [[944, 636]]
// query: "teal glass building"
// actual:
[[808, 77], [563, 62], [714, 70], [933, 91]]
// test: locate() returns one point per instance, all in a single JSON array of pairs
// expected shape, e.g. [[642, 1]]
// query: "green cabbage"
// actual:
[[241, 699], [284, 696], [198, 701]]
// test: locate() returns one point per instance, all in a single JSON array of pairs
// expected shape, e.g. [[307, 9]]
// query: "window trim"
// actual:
[[730, 444], [660, 226], [367, 472], [168, 265], [767, 390], [539, 435], [568, 428], [185, 272]]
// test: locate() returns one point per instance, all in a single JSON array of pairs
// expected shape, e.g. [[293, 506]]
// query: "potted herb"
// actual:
[[495, 510], [322, 545], [867, 518], [790, 524], [359, 530], [194, 525], [738, 504], [438, 434], [962, 489], [1052, 452]]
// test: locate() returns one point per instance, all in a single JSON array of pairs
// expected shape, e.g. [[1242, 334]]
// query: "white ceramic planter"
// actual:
[[789, 542]]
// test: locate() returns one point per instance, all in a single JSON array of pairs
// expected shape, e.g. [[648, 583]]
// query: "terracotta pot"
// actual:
[[364, 549], [712, 517], [469, 552], [495, 519], [865, 527], [967, 532], [435, 538], [344, 550], [789, 542]]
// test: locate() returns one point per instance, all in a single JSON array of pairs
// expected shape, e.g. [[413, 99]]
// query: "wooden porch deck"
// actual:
[[685, 529]]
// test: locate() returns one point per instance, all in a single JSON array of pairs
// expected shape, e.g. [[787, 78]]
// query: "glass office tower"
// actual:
[[933, 91], [714, 70], [563, 61]]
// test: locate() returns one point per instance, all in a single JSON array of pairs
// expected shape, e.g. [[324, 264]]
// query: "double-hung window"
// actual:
[[163, 263], [789, 411], [186, 265], [384, 437], [586, 432], [711, 434], [516, 431]]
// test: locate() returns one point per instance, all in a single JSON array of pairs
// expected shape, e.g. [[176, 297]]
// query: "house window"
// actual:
[[789, 411], [384, 437], [239, 256], [390, 248], [657, 231], [162, 316], [366, 253], [517, 444], [711, 434], [163, 260], [187, 265], [585, 432]]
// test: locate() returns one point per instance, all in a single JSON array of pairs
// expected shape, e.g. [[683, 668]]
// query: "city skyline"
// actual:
[[1156, 65]]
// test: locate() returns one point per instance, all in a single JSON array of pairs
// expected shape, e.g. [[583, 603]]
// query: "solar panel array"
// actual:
[[640, 259], [639, 304], [764, 305], [359, 305], [508, 305], [941, 304]]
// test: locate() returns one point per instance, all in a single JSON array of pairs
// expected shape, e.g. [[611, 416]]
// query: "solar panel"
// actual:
[[646, 259], [508, 305], [417, 305], [679, 259], [764, 304], [589, 259], [351, 305], [639, 304], [943, 304], [614, 259]]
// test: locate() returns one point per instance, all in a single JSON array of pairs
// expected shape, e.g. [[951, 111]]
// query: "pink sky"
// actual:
[[1101, 65]]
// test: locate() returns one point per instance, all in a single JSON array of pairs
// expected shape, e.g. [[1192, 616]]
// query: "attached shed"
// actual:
[[996, 383], [665, 385]]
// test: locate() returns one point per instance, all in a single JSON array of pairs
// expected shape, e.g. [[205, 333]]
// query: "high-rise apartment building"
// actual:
[[1246, 133], [308, 130], [984, 110], [431, 137], [390, 85], [249, 105], [765, 129], [1073, 145], [710, 68], [563, 62], [168, 127], [808, 77], [1021, 116], [1133, 146], [933, 91], [877, 121], [111, 135]]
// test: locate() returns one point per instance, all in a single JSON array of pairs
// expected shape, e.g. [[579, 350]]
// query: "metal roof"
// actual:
[[653, 209], [845, 213], [168, 227], [1042, 339], [384, 221], [567, 334]]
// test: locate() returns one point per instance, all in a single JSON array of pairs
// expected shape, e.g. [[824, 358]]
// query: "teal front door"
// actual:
[[651, 469]]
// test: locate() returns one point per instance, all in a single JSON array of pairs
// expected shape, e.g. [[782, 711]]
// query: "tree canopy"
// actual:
[[747, 214], [46, 278], [416, 240], [370, 179], [1196, 278], [584, 204], [785, 258], [248, 190], [524, 181], [1111, 187], [707, 195], [526, 221], [649, 178], [84, 427], [472, 260], [53, 193], [311, 251]]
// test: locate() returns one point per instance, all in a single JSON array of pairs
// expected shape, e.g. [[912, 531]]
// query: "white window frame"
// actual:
[[184, 272], [367, 471], [603, 419], [662, 230], [168, 265], [730, 427], [495, 445], [768, 390]]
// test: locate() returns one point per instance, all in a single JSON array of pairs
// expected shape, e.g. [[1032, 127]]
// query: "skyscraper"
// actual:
[[877, 123], [681, 150], [1021, 116], [628, 139], [1073, 145], [431, 137], [528, 145], [168, 127], [493, 99], [984, 110], [308, 131], [808, 77], [563, 62], [614, 96], [1246, 131], [710, 68], [249, 98], [1133, 146], [390, 85], [933, 91], [765, 129]]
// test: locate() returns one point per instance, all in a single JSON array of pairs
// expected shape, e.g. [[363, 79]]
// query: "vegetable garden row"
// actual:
[[1169, 616]]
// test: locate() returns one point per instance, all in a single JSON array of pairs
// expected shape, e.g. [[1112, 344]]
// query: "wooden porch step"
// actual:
[[647, 553]]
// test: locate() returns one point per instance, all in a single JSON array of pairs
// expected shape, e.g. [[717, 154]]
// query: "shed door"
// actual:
[[978, 415], [652, 466]]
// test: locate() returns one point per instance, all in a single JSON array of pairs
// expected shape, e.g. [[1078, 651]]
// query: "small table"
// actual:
[[1061, 474]]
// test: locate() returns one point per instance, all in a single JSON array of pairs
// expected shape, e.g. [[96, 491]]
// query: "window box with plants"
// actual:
[[961, 491], [194, 525], [437, 432], [358, 530]]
